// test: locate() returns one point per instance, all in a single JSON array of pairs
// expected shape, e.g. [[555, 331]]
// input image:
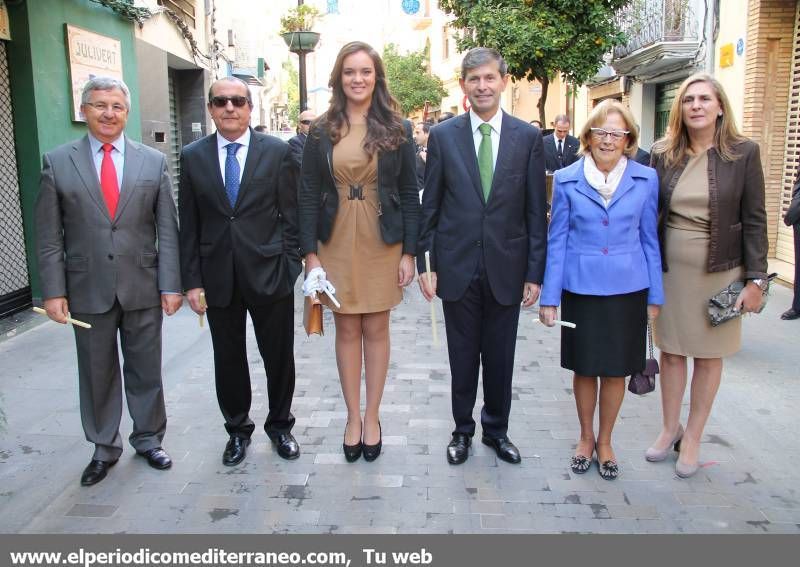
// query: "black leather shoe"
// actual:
[[790, 315], [287, 445], [504, 448], [458, 448], [235, 451], [351, 452], [371, 452], [95, 471], [157, 458]]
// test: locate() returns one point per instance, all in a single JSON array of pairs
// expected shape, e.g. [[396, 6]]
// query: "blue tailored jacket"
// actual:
[[594, 250]]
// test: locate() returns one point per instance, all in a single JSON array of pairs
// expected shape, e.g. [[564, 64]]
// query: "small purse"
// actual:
[[312, 315], [644, 382], [722, 305]]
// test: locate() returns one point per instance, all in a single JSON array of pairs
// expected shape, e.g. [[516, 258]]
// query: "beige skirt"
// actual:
[[683, 327]]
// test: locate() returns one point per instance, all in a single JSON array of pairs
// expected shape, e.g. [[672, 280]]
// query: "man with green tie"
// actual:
[[484, 223]]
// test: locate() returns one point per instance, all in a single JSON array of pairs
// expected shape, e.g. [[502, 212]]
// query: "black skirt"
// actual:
[[611, 334]]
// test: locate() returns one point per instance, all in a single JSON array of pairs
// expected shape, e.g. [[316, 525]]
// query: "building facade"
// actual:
[[752, 47]]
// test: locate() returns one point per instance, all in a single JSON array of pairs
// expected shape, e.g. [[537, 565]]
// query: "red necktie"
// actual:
[[108, 180]]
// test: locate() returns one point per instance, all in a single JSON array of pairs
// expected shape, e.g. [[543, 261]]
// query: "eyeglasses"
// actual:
[[305, 122], [601, 133], [222, 101], [103, 107]]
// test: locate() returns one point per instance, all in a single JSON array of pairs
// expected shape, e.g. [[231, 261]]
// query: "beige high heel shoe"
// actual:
[[656, 455]]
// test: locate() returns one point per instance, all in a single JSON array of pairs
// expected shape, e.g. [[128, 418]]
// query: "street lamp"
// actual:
[[301, 40]]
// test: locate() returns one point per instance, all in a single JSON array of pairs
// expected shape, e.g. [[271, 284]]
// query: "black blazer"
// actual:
[[296, 144], [256, 239], [509, 231], [571, 145], [397, 192], [642, 156]]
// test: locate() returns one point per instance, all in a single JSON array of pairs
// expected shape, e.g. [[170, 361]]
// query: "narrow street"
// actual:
[[748, 484]]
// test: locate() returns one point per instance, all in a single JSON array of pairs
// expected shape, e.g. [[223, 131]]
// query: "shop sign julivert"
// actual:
[[90, 55]]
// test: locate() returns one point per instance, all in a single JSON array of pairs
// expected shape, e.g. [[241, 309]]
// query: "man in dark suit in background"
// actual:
[[298, 142], [107, 243], [483, 220], [642, 156], [421, 131], [560, 148], [792, 219], [239, 246]]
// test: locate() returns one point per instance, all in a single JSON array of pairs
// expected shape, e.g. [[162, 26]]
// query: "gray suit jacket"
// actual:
[[92, 259]]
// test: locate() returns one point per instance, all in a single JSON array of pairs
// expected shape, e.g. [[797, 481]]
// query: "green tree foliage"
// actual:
[[292, 91], [541, 39], [409, 80]]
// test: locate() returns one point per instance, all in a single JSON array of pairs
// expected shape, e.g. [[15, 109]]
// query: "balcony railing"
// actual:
[[183, 8], [647, 22]]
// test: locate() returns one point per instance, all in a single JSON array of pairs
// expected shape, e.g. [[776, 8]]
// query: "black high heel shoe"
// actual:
[[351, 452], [371, 452]]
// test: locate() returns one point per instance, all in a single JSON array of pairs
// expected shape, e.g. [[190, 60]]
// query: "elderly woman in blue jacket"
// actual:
[[604, 270]]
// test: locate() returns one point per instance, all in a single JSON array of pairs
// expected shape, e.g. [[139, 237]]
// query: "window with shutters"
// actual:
[[784, 246], [185, 9]]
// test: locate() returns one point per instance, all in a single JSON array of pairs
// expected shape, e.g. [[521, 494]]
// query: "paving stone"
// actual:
[[744, 486]]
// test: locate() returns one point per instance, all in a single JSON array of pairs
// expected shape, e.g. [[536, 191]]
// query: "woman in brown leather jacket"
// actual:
[[712, 231]]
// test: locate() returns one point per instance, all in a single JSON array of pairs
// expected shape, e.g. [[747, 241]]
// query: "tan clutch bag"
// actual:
[[312, 315]]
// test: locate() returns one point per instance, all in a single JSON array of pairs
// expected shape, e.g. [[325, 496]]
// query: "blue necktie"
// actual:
[[232, 173]]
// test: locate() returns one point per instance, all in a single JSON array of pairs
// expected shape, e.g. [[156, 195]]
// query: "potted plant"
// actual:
[[296, 28]]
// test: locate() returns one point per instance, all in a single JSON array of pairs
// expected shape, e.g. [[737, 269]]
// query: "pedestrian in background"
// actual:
[[296, 143], [359, 220], [712, 231], [421, 132], [792, 219], [604, 269], [560, 148]]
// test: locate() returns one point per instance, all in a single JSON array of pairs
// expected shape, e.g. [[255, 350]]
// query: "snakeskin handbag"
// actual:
[[722, 305]]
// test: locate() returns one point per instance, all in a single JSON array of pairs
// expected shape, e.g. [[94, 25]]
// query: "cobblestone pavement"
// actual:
[[748, 484]]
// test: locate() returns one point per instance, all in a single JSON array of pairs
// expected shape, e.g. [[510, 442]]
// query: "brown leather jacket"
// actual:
[[736, 206]]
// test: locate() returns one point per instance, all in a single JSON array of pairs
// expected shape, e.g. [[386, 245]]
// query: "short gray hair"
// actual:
[[478, 56], [563, 118], [105, 84]]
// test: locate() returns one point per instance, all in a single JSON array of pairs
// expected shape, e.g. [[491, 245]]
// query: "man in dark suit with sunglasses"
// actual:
[[297, 143], [239, 250]]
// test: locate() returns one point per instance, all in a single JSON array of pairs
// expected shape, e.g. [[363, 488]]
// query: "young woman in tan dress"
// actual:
[[359, 217], [712, 231]]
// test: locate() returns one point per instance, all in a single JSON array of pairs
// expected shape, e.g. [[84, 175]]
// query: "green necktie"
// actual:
[[485, 160]]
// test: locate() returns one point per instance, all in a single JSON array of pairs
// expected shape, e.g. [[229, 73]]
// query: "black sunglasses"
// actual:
[[222, 101], [305, 122]]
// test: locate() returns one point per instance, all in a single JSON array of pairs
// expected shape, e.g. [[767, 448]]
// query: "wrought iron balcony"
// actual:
[[657, 30]]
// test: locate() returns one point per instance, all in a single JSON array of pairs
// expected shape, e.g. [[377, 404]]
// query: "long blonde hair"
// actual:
[[675, 144]]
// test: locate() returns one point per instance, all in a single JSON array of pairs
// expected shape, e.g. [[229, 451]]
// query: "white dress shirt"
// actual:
[[241, 154], [495, 122], [117, 156]]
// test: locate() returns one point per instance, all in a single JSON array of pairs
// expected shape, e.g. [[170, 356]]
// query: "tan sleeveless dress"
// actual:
[[682, 327], [359, 264]]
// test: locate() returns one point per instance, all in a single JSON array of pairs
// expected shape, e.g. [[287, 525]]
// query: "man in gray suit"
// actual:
[[107, 244]]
